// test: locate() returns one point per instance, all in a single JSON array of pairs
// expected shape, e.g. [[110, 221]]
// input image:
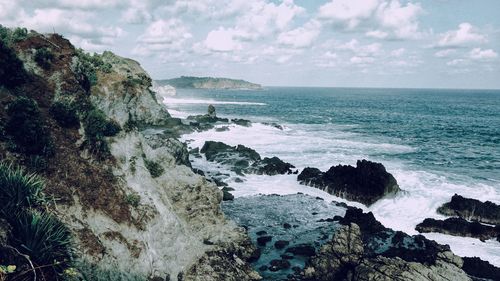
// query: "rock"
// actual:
[[287, 225], [260, 233], [272, 166], [275, 125], [262, 240], [222, 129], [277, 265], [471, 209], [263, 268], [242, 122], [345, 258], [281, 244], [365, 183], [481, 269], [255, 256], [226, 196], [459, 227], [211, 111], [305, 250], [286, 257]]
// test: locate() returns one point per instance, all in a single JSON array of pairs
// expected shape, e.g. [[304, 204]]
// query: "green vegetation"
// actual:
[[65, 114], [26, 129], [87, 67], [92, 272], [154, 168], [133, 199], [97, 127], [12, 71], [19, 189], [9, 36], [189, 82], [43, 57]]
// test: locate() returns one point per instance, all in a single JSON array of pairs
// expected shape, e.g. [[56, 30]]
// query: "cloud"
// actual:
[[478, 54], [445, 53], [466, 34], [222, 40], [162, 35], [379, 19], [301, 37], [362, 60], [359, 49], [398, 52]]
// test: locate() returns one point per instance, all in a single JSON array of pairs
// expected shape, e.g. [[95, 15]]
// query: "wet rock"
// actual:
[[275, 125], [242, 122], [365, 183], [238, 180], [459, 227], [281, 244], [207, 121], [272, 166], [260, 233], [226, 196], [305, 250], [211, 111], [263, 240], [255, 256], [471, 209], [227, 188], [277, 265], [222, 129], [287, 257], [287, 225], [480, 269], [263, 268]]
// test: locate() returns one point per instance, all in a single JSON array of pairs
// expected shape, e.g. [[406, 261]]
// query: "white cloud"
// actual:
[[379, 19], [456, 62], [301, 37], [222, 40], [445, 53], [10, 11], [465, 34], [359, 49], [362, 60], [398, 52], [479, 54], [162, 35]]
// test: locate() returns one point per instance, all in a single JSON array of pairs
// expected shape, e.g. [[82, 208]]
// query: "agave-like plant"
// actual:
[[44, 238], [19, 189]]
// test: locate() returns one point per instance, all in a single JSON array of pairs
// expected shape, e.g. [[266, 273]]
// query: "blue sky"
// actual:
[[342, 43]]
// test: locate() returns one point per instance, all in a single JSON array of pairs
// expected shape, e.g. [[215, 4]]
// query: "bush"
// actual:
[[87, 67], [97, 127], [26, 128], [43, 57], [19, 34], [133, 199], [19, 189], [65, 114], [12, 71], [154, 168], [44, 238]]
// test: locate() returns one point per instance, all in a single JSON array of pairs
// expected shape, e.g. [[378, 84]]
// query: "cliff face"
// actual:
[[187, 82], [138, 211]]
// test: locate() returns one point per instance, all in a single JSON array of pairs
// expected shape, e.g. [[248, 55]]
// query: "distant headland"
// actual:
[[190, 82]]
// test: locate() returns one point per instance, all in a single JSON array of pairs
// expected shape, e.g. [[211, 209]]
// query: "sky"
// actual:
[[336, 43]]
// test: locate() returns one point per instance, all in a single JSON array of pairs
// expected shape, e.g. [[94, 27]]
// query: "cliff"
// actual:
[[123, 189], [188, 82]]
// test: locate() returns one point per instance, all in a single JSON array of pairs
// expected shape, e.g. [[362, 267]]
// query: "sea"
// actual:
[[436, 143]]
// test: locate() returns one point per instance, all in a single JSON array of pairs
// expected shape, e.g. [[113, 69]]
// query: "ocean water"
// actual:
[[435, 142]]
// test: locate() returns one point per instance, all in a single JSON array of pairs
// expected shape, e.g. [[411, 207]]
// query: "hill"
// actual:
[[190, 82]]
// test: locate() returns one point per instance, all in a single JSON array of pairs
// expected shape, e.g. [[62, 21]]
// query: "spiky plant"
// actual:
[[44, 238], [19, 189]]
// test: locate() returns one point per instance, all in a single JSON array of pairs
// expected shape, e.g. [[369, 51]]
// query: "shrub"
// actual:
[[43, 57], [12, 71], [97, 127], [87, 66], [19, 189], [133, 199], [65, 114], [26, 128], [19, 34], [44, 238], [154, 168]]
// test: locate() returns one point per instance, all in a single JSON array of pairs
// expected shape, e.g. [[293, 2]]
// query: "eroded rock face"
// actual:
[[243, 159], [459, 227], [472, 209], [345, 257], [365, 183]]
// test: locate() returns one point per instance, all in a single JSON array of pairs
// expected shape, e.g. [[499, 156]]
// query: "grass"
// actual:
[[154, 168]]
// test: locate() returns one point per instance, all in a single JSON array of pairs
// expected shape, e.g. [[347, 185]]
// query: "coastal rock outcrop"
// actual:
[[365, 183], [243, 159], [459, 227], [471, 209]]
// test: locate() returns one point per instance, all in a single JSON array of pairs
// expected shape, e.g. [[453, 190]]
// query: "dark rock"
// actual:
[[319, 198], [227, 188], [238, 180], [277, 265], [281, 244], [221, 152], [326, 220], [305, 250], [211, 111], [199, 172], [472, 209], [286, 257], [480, 269], [263, 268], [222, 129], [314, 213], [459, 227], [366, 221], [337, 218], [287, 225], [260, 233], [226, 196], [275, 125], [255, 256], [272, 166], [365, 183], [262, 240], [241, 122]]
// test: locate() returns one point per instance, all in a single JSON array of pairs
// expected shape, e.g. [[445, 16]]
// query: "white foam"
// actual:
[[167, 101]]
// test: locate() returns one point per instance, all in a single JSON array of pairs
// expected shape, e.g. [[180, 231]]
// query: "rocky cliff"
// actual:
[[134, 207]]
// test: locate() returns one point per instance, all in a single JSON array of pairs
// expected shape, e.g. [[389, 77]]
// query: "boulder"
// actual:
[[280, 244], [365, 183], [459, 227], [211, 111], [242, 122], [277, 265], [227, 196], [262, 240], [480, 269], [272, 166], [305, 250], [471, 209]]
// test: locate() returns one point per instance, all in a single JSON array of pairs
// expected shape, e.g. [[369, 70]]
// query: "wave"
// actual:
[[168, 101]]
